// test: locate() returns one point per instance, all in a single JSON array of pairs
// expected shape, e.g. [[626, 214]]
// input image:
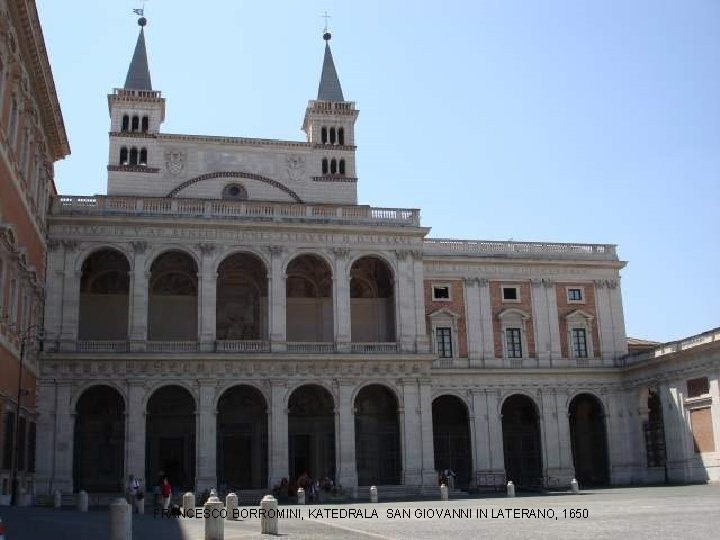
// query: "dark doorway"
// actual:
[[242, 439], [377, 436], [99, 449], [589, 446], [170, 438], [521, 442], [451, 438], [311, 433]]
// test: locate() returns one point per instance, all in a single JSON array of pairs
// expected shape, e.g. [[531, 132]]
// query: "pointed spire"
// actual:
[[138, 75], [329, 89]]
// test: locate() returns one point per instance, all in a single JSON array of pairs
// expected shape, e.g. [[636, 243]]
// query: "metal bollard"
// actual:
[[301, 496], [574, 486], [444, 493], [510, 489], [269, 518], [82, 501], [231, 504], [373, 494], [120, 520], [188, 501], [214, 522], [57, 499]]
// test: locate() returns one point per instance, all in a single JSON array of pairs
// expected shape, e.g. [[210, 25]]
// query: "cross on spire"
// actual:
[[326, 17]]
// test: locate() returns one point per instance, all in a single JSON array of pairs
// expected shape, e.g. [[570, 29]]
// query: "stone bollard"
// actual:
[[269, 518], [140, 505], [120, 520], [188, 501], [574, 486], [444, 493], [23, 497], [57, 499], [301, 496], [214, 522], [82, 501], [510, 489], [231, 504], [373, 494]]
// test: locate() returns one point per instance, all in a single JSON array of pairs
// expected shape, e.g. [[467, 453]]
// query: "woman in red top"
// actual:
[[166, 491]]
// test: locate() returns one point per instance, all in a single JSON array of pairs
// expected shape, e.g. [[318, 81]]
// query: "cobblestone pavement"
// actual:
[[626, 513]]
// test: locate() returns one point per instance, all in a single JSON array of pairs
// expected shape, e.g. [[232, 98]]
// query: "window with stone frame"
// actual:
[[513, 333], [579, 342], [579, 334], [513, 343], [443, 341], [698, 387]]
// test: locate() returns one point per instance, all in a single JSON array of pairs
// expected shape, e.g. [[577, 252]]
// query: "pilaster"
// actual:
[[341, 308], [422, 343], [346, 469], [54, 298], [139, 298], [278, 443], [553, 319], [135, 427], [486, 323], [604, 321], [413, 436], [472, 312], [64, 438], [278, 301], [206, 440], [207, 298], [71, 297], [541, 321], [45, 443]]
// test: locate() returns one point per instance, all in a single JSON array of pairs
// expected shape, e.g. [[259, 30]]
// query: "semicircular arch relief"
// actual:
[[234, 174]]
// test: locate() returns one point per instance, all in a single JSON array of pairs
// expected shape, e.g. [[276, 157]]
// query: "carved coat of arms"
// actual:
[[175, 161], [295, 167]]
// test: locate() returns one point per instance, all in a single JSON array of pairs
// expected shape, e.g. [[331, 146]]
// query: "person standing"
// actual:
[[166, 492]]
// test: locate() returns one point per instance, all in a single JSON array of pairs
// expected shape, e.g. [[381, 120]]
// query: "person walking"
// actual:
[[166, 492]]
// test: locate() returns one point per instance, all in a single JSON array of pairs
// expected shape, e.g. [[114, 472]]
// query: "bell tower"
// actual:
[[330, 124], [136, 113]]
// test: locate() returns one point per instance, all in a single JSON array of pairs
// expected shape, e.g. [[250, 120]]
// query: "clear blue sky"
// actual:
[[554, 120]]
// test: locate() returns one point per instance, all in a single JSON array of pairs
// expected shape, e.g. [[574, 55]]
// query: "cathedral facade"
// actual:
[[229, 315]]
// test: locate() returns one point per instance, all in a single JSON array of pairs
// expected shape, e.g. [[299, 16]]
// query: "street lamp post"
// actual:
[[14, 481]]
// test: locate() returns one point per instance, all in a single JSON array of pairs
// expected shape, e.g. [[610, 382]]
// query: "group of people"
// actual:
[[312, 488], [136, 492]]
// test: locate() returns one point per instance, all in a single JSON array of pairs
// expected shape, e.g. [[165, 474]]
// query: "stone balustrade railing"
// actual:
[[449, 246], [271, 211], [242, 346], [670, 348]]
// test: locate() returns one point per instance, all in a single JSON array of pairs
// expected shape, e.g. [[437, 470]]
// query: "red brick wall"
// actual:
[[525, 304], [456, 304], [564, 308]]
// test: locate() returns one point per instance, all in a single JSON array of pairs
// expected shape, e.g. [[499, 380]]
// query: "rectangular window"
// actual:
[[9, 431], [513, 343], [574, 294], [441, 292], [510, 294], [443, 338], [579, 343], [698, 387]]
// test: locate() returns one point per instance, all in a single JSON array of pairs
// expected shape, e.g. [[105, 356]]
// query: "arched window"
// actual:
[[123, 155], [332, 135], [143, 156], [323, 135], [342, 166], [333, 167], [145, 124], [133, 156], [125, 123], [341, 136], [324, 166], [135, 123]]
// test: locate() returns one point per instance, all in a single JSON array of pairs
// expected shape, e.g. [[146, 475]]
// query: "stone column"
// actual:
[[207, 298], [278, 443], [278, 301], [135, 430], [474, 324], [421, 337], [346, 469], [428, 473], [138, 301], [341, 297], [486, 322], [206, 443], [604, 322], [54, 298], [413, 434], [71, 298], [405, 324], [541, 321]]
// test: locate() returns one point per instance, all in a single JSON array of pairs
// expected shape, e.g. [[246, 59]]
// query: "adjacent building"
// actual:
[[32, 138]]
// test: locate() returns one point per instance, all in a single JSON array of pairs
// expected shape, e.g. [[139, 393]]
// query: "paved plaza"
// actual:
[[627, 513]]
